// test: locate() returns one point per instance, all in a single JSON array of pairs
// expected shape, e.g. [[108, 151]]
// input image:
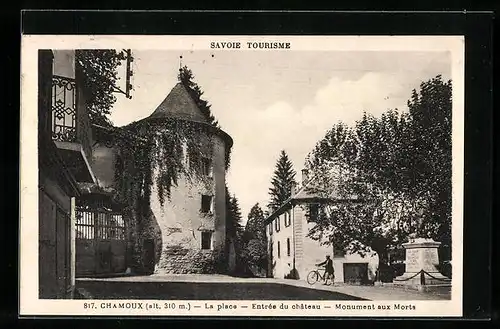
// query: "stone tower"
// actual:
[[193, 220]]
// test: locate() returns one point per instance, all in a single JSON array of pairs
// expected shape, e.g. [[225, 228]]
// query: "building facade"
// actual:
[[85, 229], [293, 254], [63, 162]]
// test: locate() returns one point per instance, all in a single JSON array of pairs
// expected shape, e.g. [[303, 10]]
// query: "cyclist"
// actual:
[[329, 272]]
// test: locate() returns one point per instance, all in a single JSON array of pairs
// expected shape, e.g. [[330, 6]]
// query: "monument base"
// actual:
[[423, 281], [421, 266]]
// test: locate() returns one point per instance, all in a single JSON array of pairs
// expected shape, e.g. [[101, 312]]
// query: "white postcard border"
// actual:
[[29, 302]]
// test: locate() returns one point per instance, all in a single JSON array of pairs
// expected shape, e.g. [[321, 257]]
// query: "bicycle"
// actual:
[[315, 275]]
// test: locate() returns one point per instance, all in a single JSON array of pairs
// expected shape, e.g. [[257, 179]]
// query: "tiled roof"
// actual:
[[309, 192], [179, 104]]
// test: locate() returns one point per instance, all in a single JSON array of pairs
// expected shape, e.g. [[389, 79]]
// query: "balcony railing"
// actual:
[[63, 109], [70, 120]]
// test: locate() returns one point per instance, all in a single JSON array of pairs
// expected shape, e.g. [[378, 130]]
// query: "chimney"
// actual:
[[305, 174], [292, 189]]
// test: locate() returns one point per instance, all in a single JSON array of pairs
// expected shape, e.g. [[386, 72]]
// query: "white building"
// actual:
[[292, 253]]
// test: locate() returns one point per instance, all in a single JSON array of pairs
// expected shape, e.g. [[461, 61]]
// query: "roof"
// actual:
[[307, 194], [179, 104]]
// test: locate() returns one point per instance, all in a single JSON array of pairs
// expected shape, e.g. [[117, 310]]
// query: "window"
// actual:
[[313, 212], [279, 249], [288, 246], [206, 204], [206, 240], [288, 218], [206, 167], [277, 224], [271, 229]]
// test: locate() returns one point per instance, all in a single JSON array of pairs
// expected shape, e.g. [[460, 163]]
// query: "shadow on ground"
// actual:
[[205, 291]]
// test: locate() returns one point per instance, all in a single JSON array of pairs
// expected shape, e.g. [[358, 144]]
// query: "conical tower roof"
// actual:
[[179, 104]]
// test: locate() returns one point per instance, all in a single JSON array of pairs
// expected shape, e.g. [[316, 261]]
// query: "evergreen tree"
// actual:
[[186, 77], [234, 229], [282, 181]]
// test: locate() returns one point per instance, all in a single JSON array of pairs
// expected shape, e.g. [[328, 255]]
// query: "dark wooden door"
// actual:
[[355, 273], [100, 243], [63, 255]]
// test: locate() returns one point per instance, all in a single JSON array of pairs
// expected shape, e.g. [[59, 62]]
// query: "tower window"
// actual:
[[277, 224], [206, 203], [206, 240], [206, 167], [288, 246], [279, 250]]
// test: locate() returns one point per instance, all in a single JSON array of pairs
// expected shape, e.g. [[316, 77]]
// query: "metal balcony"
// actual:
[[71, 130]]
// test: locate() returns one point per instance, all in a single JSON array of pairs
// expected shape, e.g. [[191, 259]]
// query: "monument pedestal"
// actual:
[[421, 270]]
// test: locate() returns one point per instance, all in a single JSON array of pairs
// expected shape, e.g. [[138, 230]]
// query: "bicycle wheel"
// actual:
[[312, 277]]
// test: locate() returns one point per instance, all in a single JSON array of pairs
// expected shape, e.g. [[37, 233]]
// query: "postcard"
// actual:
[[266, 176]]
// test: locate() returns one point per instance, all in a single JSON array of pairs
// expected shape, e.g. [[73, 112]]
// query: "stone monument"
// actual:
[[422, 262]]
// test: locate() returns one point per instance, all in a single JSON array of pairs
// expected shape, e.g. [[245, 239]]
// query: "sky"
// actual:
[[279, 100]]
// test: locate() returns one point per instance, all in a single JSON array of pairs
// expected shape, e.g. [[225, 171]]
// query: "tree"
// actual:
[[186, 77], [254, 239], [282, 181], [234, 229], [431, 110], [99, 68], [398, 167], [255, 227]]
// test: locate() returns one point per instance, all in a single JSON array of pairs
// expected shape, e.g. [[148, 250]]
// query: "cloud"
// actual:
[[260, 134]]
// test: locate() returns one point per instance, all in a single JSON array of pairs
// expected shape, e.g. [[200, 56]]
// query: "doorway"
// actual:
[[356, 273]]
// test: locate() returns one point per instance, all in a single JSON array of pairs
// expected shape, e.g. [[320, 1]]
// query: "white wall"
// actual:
[[64, 63], [313, 251], [283, 264], [370, 258], [180, 219], [309, 252]]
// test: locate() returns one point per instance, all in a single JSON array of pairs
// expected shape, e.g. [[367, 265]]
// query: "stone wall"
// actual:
[[183, 261]]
